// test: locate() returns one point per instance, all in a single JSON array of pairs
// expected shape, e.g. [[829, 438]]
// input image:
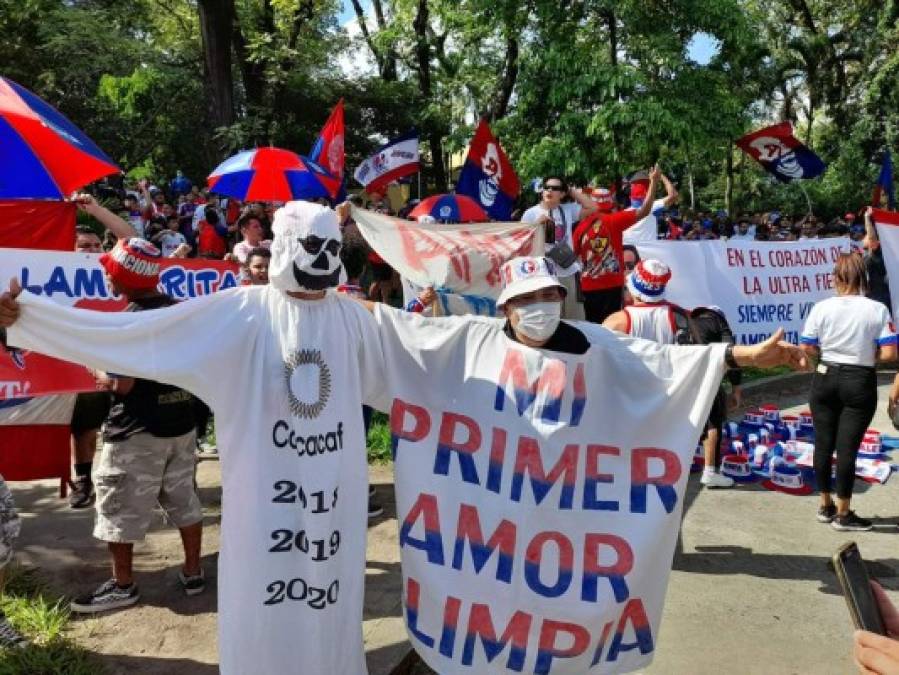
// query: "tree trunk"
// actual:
[[435, 140], [500, 105], [216, 21]]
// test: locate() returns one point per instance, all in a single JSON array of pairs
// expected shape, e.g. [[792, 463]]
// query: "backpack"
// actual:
[[687, 331]]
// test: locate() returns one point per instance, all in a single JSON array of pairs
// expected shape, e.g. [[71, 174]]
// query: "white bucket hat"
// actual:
[[525, 275]]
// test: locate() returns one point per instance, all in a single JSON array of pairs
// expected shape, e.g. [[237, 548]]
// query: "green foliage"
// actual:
[[379, 450], [592, 89], [42, 618]]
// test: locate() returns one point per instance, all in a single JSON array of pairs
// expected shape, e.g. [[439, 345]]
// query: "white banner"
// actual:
[[887, 223], [760, 286], [538, 509], [463, 259]]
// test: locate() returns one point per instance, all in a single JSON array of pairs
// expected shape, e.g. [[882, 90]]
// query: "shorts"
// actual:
[[90, 411], [381, 271], [9, 524], [132, 476]]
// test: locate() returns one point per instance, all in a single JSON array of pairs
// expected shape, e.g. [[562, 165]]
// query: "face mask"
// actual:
[[305, 249], [539, 320]]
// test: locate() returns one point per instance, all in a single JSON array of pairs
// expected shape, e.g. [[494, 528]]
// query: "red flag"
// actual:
[[328, 149]]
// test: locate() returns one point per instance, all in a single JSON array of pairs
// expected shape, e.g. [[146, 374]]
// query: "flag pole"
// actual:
[[805, 194], [419, 185]]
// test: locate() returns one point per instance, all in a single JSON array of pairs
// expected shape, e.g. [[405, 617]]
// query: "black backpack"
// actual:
[[687, 330]]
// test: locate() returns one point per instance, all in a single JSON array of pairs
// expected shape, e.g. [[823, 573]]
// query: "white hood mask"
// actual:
[[306, 248]]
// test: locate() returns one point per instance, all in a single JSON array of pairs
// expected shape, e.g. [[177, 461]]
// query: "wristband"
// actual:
[[729, 359]]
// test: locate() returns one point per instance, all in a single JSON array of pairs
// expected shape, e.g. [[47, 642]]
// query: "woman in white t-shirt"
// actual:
[[848, 333]]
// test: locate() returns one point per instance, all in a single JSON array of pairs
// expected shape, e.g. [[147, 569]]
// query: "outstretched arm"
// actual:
[[152, 345], [106, 218], [774, 351], [671, 191]]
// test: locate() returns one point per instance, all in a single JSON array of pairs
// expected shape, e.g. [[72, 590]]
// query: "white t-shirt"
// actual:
[[286, 379], [566, 219], [169, 241], [242, 249], [848, 329], [646, 229]]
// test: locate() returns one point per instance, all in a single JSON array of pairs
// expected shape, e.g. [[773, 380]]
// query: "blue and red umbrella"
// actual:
[[450, 208], [42, 154], [272, 175]]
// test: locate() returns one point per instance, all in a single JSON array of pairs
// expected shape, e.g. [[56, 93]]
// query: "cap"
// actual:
[[133, 264], [525, 275], [648, 280]]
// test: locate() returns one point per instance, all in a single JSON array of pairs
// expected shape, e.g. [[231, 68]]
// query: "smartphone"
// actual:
[[853, 577]]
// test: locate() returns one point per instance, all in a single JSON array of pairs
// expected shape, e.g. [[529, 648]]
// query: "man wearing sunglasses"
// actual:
[[560, 220]]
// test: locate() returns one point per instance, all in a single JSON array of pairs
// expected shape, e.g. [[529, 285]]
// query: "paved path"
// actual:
[[750, 590]]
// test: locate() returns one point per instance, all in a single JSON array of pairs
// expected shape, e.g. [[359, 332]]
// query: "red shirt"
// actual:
[[600, 248], [211, 242]]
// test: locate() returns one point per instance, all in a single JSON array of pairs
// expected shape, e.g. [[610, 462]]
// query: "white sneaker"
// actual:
[[716, 480]]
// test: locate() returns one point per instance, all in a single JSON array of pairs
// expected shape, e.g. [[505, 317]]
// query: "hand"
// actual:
[[869, 211], [735, 399], [427, 297], [877, 653], [774, 351], [104, 382], [343, 212], [85, 202], [9, 308], [655, 174], [182, 251]]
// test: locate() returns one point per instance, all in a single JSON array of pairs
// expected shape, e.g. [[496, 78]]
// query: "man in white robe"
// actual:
[[284, 368]]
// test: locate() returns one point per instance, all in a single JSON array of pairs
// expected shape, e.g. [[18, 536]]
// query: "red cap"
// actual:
[[133, 264]]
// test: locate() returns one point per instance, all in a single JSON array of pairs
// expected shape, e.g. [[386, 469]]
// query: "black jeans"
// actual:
[[600, 304], [843, 401]]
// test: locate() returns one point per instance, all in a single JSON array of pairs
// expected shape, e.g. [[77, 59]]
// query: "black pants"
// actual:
[[598, 305], [843, 401]]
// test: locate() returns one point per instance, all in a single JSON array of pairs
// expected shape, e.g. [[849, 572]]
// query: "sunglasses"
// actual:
[[629, 266], [554, 188]]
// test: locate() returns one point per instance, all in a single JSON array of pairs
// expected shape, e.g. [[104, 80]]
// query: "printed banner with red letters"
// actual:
[[462, 260], [539, 493], [761, 286], [77, 279]]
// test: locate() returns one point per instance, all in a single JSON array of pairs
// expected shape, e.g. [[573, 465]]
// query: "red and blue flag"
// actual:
[[328, 150], [487, 175], [781, 154], [884, 183]]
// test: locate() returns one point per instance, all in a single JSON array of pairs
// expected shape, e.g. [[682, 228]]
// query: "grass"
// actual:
[[42, 617], [750, 374], [379, 439]]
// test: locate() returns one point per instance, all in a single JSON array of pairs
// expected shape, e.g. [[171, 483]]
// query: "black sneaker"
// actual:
[[374, 509], [193, 585], [371, 490], [108, 596], [851, 523], [826, 514], [10, 638], [82, 494]]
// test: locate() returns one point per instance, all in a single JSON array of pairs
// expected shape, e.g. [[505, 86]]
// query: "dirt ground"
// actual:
[[750, 586]]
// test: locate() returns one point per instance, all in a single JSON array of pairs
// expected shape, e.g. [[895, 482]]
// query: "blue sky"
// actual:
[[348, 13], [702, 48]]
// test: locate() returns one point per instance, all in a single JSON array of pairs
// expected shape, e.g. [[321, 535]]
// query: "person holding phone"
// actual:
[[848, 333], [874, 653], [560, 219]]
